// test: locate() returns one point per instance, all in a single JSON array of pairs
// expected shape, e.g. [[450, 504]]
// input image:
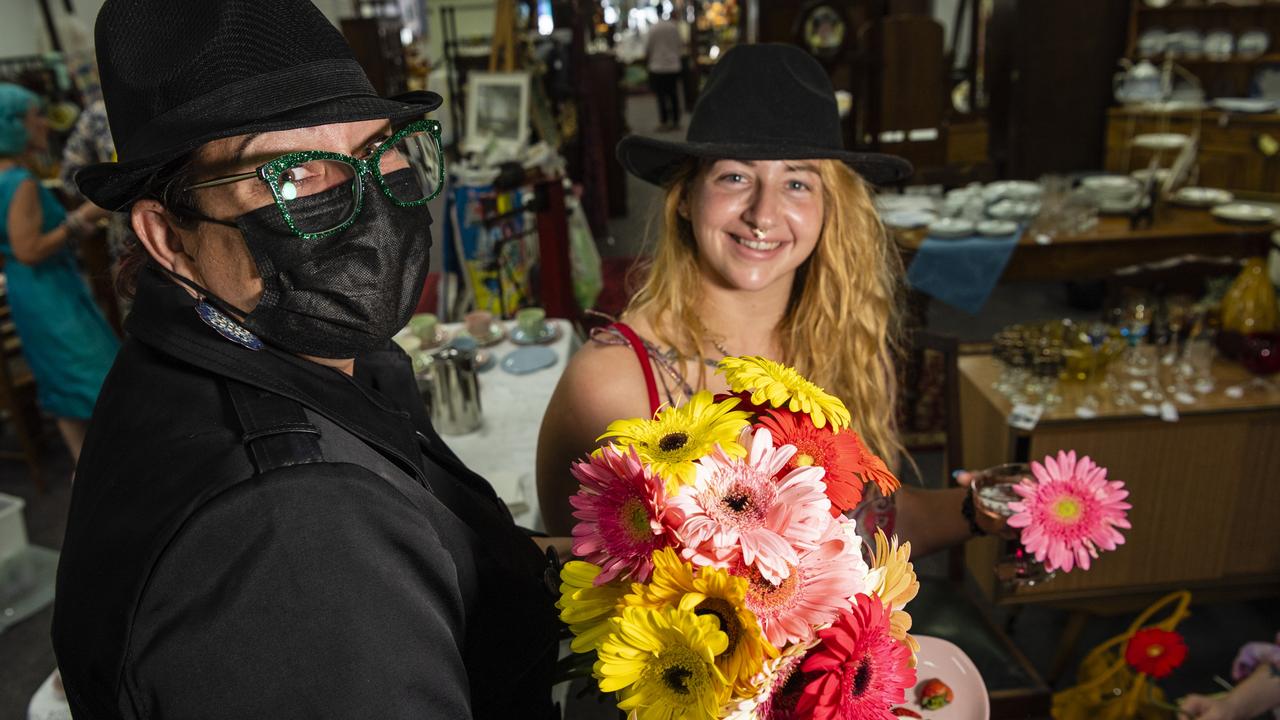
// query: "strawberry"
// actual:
[[934, 694]]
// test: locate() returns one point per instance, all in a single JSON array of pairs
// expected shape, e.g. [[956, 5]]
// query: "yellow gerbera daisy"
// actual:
[[777, 385], [894, 581], [662, 664], [586, 607], [710, 591], [677, 436]]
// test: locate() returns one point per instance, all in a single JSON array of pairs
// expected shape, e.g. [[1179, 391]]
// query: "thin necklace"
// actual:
[[719, 348]]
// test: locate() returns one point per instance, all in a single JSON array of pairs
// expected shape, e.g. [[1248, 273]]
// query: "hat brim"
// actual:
[[654, 160], [115, 185]]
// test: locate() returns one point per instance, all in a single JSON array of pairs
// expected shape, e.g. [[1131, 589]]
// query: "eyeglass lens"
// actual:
[[410, 167]]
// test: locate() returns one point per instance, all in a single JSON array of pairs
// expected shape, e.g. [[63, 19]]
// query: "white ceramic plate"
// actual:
[[894, 203], [1014, 210], [950, 228], [1245, 105], [944, 661], [997, 228], [908, 218], [1244, 213], [1161, 141], [1109, 184], [1158, 174], [1202, 196], [1013, 189]]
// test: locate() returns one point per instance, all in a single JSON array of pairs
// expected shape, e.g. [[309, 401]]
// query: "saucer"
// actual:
[[525, 360], [1244, 213], [950, 228], [997, 228], [495, 335], [1202, 196], [550, 333]]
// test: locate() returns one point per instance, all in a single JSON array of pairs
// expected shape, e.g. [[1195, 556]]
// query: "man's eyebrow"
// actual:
[[238, 152]]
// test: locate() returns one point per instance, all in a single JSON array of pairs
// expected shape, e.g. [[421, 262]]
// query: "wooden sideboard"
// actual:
[[1204, 489], [1233, 151]]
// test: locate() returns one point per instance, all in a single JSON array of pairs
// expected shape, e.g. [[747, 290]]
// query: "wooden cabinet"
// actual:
[[1202, 488], [375, 42], [1231, 152]]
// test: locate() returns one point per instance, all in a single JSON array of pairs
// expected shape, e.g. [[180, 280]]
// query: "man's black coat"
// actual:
[[383, 581]]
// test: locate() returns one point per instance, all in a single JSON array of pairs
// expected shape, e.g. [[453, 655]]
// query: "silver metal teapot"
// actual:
[[451, 389]]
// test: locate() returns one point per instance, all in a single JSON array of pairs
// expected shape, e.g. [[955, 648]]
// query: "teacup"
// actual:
[[532, 321], [479, 324], [425, 326]]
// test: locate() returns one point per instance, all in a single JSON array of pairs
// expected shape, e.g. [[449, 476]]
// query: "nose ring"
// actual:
[[760, 233]]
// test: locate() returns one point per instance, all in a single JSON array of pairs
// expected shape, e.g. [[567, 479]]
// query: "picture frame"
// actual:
[[497, 111]]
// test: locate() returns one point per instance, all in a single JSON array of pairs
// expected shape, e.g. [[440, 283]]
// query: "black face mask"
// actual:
[[345, 294]]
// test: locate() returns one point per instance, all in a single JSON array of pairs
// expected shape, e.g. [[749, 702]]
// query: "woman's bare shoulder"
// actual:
[[606, 376]]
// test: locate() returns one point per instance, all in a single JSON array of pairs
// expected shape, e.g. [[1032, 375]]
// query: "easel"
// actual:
[[503, 52]]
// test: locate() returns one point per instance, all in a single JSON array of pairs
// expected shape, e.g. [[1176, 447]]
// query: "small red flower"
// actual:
[[849, 463], [1155, 652]]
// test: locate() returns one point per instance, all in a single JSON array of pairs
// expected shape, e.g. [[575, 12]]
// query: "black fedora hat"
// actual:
[[761, 102], [176, 75]]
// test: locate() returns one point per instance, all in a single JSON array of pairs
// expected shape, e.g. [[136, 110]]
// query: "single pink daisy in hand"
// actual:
[[619, 507], [735, 509], [859, 671], [815, 590], [1070, 512]]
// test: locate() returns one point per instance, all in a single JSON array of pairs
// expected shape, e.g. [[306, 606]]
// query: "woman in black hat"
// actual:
[[265, 524], [770, 245]]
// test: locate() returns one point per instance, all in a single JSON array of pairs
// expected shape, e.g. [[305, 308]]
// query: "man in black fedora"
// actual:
[[264, 524]]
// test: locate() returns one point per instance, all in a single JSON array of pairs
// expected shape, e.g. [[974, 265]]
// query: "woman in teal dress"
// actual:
[[65, 339]]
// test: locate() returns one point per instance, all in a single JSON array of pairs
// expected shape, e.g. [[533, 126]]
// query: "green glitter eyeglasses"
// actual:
[[408, 167]]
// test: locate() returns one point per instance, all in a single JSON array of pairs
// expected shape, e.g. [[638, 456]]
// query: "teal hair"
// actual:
[[15, 100]]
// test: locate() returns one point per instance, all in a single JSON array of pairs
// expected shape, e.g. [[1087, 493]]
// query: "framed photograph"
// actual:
[[497, 110]]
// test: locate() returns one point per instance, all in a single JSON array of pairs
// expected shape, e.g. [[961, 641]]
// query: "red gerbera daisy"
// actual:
[[850, 464], [1155, 652], [859, 671]]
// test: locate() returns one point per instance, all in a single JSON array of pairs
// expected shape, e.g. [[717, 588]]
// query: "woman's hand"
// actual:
[[1203, 707]]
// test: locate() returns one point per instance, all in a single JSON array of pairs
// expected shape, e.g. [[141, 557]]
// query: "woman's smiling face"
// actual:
[[755, 221]]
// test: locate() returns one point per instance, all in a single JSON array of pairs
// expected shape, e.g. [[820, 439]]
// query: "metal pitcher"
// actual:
[[450, 387]]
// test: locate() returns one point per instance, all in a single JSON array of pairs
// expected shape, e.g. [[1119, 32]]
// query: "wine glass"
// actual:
[[1261, 356], [992, 491]]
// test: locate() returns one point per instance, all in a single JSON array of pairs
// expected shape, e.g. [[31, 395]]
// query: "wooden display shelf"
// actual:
[[1113, 244], [1202, 489]]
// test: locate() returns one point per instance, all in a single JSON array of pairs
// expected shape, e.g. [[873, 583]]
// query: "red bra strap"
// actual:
[[650, 382]]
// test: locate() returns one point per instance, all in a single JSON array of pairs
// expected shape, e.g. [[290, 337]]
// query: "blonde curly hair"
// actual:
[[842, 328]]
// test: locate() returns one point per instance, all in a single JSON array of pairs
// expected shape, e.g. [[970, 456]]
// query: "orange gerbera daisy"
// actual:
[[849, 463]]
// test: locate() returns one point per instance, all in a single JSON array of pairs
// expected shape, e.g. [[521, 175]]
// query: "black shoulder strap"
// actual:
[[277, 432]]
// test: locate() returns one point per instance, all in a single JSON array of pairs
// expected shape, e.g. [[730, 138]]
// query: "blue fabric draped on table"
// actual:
[[961, 272]]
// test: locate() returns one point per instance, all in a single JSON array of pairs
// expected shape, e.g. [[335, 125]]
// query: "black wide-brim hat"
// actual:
[[760, 102], [176, 75]]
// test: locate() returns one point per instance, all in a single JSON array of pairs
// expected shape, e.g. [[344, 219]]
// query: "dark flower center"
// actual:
[[737, 501], [861, 678], [727, 617], [673, 441], [676, 678]]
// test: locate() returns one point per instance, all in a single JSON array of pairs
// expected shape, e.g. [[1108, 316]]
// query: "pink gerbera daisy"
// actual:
[[735, 509], [859, 671], [1070, 512], [815, 590], [619, 507]]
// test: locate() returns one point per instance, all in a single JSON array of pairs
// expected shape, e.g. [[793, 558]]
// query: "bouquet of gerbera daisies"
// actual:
[[719, 576]]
